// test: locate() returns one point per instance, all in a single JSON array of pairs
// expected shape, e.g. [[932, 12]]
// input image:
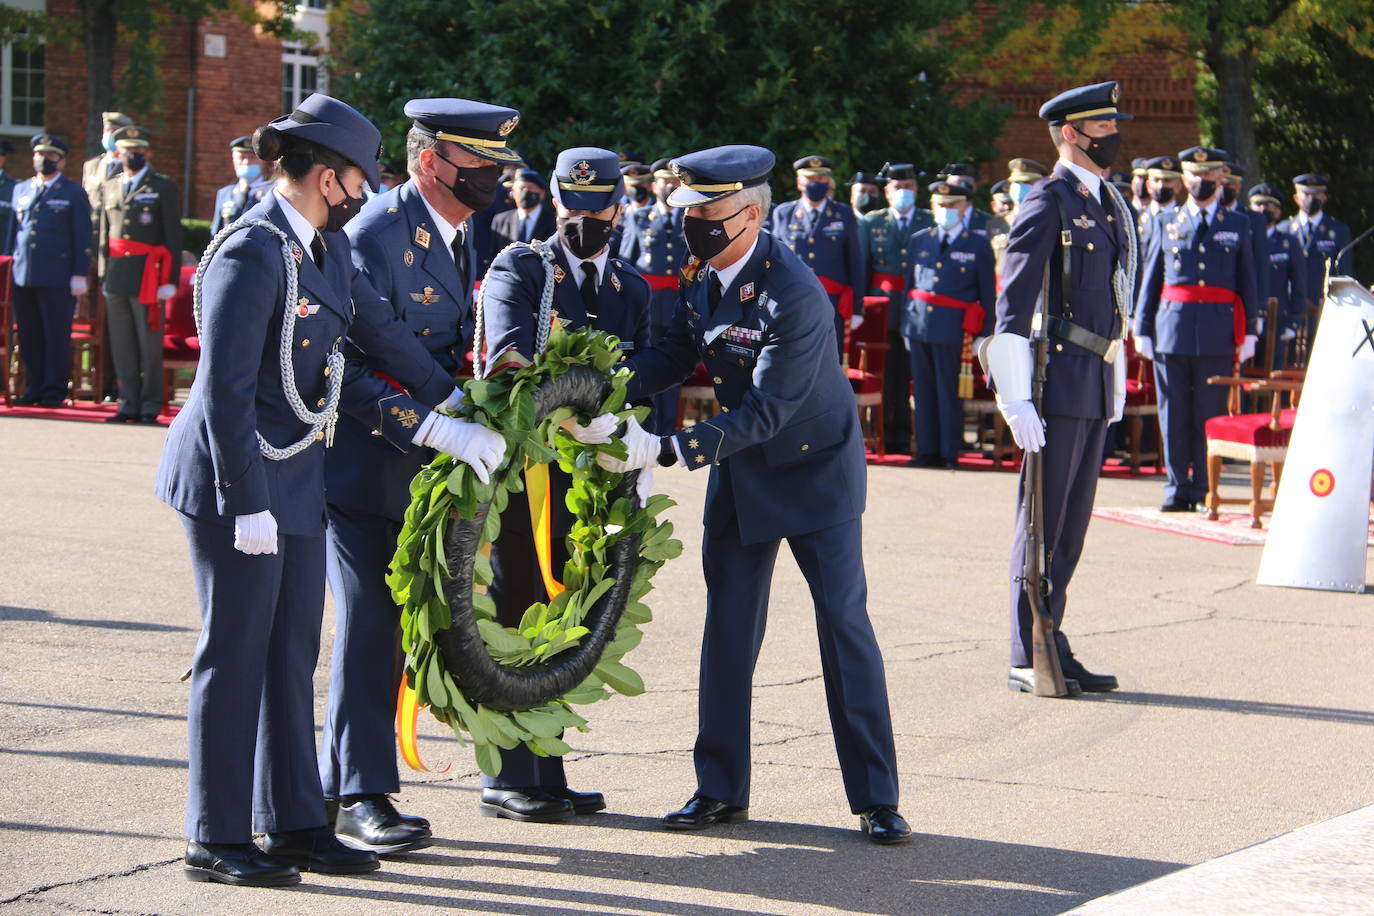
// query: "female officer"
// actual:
[[244, 465]]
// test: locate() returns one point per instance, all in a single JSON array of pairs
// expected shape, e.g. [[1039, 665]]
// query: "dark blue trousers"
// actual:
[[939, 413], [1072, 462], [1186, 403], [45, 339], [358, 749], [738, 578], [897, 413], [251, 718]]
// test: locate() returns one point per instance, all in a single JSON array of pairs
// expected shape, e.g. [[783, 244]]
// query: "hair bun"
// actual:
[[269, 143]]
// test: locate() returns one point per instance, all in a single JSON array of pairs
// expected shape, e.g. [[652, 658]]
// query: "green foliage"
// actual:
[[195, 236], [447, 488], [861, 83]]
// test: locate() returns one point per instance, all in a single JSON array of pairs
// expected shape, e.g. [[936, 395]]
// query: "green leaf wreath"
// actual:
[[447, 489]]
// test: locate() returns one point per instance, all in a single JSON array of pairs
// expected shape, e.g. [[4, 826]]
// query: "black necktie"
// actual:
[[714, 291], [901, 227], [459, 255], [1104, 196], [944, 242], [1201, 229], [317, 252], [589, 300]]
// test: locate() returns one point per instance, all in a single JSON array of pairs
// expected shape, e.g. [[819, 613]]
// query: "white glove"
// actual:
[[643, 448], [1247, 348], [256, 533], [856, 321], [78, 285], [453, 401], [1288, 334], [1145, 348], [166, 291], [471, 443], [644, 486], [594, 433], [1027, 429]]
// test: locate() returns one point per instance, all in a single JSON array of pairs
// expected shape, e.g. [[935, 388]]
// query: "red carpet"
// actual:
[[977, 461], [82, 410], [1229, 528]]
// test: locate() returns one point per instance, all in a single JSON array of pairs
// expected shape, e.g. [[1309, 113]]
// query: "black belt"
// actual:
[[1079, 336]]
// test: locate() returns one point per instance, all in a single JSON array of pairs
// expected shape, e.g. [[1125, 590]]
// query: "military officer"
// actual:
[[249, 187], [1164, 182], [99, 169], [639, 196], [244, 467], [949, 296], [1198, 304], [1287, 278], [883, 239], [1002, 204], [140, 256], [979, 222], [482, 237], [7, 184], [1022, 175], [1140, 189], [531, 218], [1320, 238], [762, 324], [1259, 240], [1089, 293], [653, 243], [866, 193], [48, 231], [414, 246], [824, 235], [389, 175], [592, 288]]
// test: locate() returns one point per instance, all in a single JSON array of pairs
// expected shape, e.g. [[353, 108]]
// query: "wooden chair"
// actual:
[[994, 436], [1261, 439], [180, 344], [1141, 402], [867, 365], [89, 346]]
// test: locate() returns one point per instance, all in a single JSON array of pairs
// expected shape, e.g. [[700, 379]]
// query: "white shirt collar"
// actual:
[[599, 262], [1306, 220], [300, 226], [1091, 180], [727, 275], [533, 214], [813, 209], [130, 181], [49, 179], [1193, 209], [1157, 207], [447, 231], [954, 233]]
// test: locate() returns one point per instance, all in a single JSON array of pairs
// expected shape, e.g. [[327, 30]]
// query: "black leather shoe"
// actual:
[[1093, 683], [148, 419], [242, 864], [1023, 679], [26, 400], [701, 812], [317, 849], [372, 823], [1177, 505], [524, 805], [120, 418], [52, 403], [885, 826], [582, 802]]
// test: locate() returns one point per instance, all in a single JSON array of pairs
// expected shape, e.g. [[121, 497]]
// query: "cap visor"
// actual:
[[491, 153], [586, 200], [684, 196]]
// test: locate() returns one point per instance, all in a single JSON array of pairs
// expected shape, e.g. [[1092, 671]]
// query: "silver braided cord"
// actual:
[[318, 422], [1123, 278], [541, 326]]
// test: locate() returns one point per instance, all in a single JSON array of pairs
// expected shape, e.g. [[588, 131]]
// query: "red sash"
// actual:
[[1215, 294], [157, 271], [974, 315], [846, 293], [662, 281], [888, 283]]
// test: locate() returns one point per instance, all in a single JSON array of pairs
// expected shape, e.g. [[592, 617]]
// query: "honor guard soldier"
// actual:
[[1164, 181], [1075, 229], [1196, 316], [949, 299], [244, 466], [48, 231], [1287, 282], [531, 218], [639, 196], [140, 256], [249, 187], [1140, 189], [99, 169], [652, 242], [592, 288], [762, 324], [866, 193], [7, 183], [1320, 237], [883, 239], [1259, 240], [414, 246], [824, 235]]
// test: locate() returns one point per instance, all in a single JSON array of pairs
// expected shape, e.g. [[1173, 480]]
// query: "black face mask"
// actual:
[[342, 212], [707, 238], [1101, 150], [1201, 189], [640, 193], [584, 235], [1164, 195], [529, 200], [1270, 217], [474, 188], [1228, 195], [1311, 206], [49, 167], [134, 162]]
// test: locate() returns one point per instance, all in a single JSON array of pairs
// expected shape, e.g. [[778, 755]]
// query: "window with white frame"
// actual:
[[301, 74], [22, 84]]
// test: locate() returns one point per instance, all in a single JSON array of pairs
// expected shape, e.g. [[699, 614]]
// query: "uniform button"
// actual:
[[810, 241], [305, 342], [1202, 283], [1059, 348], [811, 254], [805, 447], [425, 332], [937, 264], [962, 269], [724, 408], [1090, 246], [1202, 249], [930, 308], [319, 436], [320, 402], [710, 352], [716, 379], [741, 362], [326, 372]]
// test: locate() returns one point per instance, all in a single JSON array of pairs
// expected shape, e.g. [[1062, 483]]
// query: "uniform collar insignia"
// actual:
[[1083, 189], [297, 253], [558, 274], [422, 237], [746, 292], [615, 281]]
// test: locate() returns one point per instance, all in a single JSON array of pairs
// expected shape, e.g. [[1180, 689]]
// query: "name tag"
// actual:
[[1226, 236], [834, 228], [963, 255], [1278, 256], [146, 195], [626, 345], [58, 203], [739, 350]]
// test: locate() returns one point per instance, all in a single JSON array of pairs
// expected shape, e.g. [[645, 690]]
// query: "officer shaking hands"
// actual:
[[763, 326]]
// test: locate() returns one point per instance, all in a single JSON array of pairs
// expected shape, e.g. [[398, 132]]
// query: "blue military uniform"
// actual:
[[7, 183], [513, 225], [1259, 235], [1287, 277], [1085, 324], [1188, 307], [788, 427], [653, 243], [48, 231], [949, 294], [253, 667], [1320, 237], [234, 200], [823, 233], [400, 248], [510, 305]]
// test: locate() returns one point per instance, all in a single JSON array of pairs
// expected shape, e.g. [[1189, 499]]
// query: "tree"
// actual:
[[861, 83]]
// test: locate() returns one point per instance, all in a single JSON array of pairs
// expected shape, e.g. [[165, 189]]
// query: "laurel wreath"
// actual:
[[446, 490]]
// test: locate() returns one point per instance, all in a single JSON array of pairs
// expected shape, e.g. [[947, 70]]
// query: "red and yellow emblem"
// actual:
[[1322, 482]]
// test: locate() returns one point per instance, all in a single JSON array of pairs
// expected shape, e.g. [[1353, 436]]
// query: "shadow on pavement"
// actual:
[[1243, 707], [30, 614], [124, 760], [23, 828], [132, 713]]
